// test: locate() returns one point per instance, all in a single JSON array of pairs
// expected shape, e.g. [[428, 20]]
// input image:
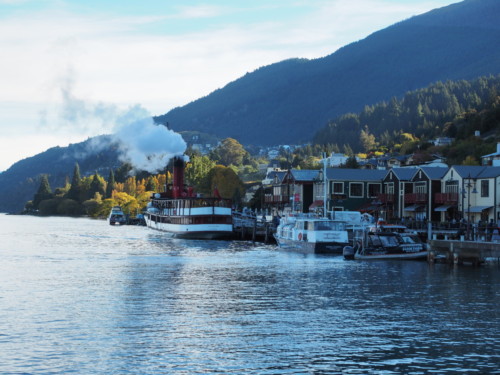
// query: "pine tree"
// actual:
[[96, 186], [152, 184], [44, 191], [76, 184], [111, 184]]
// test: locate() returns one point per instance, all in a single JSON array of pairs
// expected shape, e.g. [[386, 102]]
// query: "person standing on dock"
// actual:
[[491, 226]]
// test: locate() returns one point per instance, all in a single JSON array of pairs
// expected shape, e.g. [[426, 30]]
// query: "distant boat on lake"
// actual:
[[117, 216]]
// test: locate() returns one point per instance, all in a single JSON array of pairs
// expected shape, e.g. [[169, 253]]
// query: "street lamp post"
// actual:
[[377, 203], [469, 192], [325, 186]]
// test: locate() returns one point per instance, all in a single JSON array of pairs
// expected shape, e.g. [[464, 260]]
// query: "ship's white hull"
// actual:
[[205, 222], [310, 247], [195, 231]]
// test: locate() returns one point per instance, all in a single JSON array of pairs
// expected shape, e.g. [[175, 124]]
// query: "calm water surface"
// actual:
[[80, 296]]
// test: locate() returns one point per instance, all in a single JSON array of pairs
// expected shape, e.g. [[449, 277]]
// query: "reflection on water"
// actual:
[[81, 296]]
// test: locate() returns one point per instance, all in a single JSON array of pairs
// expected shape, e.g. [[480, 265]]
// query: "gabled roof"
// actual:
[[465, 171], [489, 172], [435, 173], [403, 174], [304, 174], [346, 174], [279, 174], [493, 154]]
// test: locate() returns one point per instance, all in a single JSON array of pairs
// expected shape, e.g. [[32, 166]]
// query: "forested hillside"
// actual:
[[426, 113], [19, 182], [289, 101]]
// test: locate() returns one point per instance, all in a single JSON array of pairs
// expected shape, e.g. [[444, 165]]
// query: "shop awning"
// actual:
[[479, 208], [316, 204], [414, 207], [442, 208], [367, 207]]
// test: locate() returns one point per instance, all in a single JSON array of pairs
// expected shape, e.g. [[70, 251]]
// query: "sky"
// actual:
[[69, 70]]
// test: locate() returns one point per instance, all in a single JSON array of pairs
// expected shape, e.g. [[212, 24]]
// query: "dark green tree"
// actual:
[[44, 191], [111, 184], [76, 185], [151, 184], [351, 162], [96, 186]]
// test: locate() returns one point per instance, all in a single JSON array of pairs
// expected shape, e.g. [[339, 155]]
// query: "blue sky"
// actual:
[[69, 67]]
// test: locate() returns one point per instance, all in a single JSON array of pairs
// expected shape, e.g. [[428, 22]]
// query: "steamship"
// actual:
[[185, 214]]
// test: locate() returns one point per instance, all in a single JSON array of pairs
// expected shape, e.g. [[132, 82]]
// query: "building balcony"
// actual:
[[446, 198], [276, 198], [416, 198], [386, 198]]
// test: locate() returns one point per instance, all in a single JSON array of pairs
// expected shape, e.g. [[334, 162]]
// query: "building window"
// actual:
[[389, 188], [485, 188], [373, 190], [356, 190], [338, 188], [451, 186], [421, 188]]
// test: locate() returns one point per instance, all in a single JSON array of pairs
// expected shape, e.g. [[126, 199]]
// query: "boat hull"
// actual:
[[310, 247], [189, 231], [421, 255]]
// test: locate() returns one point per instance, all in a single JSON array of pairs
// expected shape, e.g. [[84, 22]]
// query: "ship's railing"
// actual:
[[193, 202]]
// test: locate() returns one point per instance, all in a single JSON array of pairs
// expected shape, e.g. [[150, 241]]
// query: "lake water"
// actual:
[[80, 296]]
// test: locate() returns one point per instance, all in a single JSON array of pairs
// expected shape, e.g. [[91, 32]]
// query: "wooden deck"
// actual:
[[457, 252]]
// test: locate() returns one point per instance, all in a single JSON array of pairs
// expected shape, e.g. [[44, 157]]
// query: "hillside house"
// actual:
[[492, 159]]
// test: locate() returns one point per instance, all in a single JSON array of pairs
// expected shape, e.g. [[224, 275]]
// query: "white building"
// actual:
[[492, 159], [336, 159]]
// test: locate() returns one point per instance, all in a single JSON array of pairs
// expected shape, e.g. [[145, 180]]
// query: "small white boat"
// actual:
[[311, 234], [117, 216]]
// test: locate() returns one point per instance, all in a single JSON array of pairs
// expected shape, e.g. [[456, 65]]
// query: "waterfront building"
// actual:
[[438, 194], [276, 192], [292, 190], [426, 182], [474, 188], [396, 186], [354, 189]]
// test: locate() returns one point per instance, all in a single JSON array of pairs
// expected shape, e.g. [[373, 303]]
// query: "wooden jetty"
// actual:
[[251, 227], [457, 252]]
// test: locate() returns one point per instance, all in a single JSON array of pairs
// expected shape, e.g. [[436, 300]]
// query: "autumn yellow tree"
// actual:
[[130, 186], [367, 140], [470, 160]]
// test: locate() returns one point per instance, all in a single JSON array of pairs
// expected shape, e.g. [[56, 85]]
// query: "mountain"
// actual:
[[289, 101], [22, 179]]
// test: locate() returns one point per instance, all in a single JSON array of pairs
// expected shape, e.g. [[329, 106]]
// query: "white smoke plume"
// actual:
[[144, 144]]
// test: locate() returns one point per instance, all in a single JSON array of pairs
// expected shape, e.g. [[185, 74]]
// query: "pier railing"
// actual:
[[248, 225], [455, 230]]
